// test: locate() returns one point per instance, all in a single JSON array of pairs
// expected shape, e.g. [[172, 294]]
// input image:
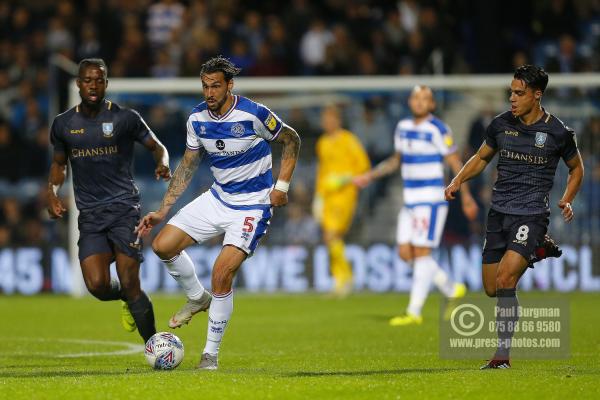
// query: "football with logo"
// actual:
[[164, 351]]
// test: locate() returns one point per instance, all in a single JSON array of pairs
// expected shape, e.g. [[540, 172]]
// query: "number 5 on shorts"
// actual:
[[248, 227]]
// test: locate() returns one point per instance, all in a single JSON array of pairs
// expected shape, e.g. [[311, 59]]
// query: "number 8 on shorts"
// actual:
[[522, 233]]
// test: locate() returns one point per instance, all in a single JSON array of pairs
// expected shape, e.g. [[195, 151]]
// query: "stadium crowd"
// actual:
[[171, 38]]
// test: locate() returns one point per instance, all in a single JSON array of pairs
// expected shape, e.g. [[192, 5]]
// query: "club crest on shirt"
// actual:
[[107, 129], [237, 129], [540, 139]]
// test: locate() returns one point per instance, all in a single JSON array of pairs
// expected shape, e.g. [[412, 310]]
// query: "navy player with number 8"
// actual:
[[530, 142]]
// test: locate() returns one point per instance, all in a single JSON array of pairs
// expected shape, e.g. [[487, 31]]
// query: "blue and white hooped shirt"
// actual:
[[238, 150], [423, 147]]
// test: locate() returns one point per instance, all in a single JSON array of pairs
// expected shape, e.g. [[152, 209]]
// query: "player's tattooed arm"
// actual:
[[182, 177], [291, 149], [58, 173], [289, 156], [386, 167], [179, 182]]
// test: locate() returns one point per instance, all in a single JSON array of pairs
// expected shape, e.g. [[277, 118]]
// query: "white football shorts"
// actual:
[[422, 225], [206, 217]]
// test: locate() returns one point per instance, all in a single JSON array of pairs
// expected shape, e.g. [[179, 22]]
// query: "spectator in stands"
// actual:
[[340, 53], [299, 227], [59, 36], [241, 55], [89, 45], [266, 64], [163, 18], [567, 60], [10, 158], [34, 233], [36, 151], [164, 67], [376, 134], [5, 236], [12, 218], [313, 46]]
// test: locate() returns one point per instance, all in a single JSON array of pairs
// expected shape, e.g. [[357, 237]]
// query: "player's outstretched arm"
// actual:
[[56, 177], [180, 181], [161, 157], [386, 167], [291, 148], [574, 180], [469, 205], [471, 169]]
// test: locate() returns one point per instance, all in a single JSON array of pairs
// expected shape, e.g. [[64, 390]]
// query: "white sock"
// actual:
[[219, 313], [423, 271], [443, 281], [182, 269]]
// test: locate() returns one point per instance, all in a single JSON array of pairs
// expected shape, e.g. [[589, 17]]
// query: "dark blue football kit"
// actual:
[[527, 159], [100, 150]]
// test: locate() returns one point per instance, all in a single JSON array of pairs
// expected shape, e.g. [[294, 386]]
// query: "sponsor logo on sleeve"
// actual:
[[448, 140], [271, 122]]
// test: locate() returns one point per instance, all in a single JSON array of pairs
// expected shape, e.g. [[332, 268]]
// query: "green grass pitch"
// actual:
[[276, 347]]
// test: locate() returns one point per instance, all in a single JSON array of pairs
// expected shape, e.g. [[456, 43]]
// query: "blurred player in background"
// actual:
[[340, 157], [423, 142], [530, 142], [97, 137], [235, 133]]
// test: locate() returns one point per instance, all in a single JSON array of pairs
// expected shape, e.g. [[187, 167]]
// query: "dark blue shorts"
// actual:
[[109, 229], [520, 233]]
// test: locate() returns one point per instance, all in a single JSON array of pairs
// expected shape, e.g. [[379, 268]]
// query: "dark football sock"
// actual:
[[506, 318], [143, 314]]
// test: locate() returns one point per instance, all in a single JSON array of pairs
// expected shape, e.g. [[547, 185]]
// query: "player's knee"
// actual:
[[505, 281], [490, 290], [98, 288], [222, 276], [162, 249]]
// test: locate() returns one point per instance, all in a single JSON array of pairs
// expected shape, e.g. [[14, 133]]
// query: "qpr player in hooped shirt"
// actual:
[[237, 146], [236, 134]]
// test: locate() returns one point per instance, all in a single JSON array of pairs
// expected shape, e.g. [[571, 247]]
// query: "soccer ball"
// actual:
[[164, 351]]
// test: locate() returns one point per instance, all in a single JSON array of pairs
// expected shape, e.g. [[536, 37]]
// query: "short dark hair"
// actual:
[[221, 64], [534, 77], [98, 62]]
